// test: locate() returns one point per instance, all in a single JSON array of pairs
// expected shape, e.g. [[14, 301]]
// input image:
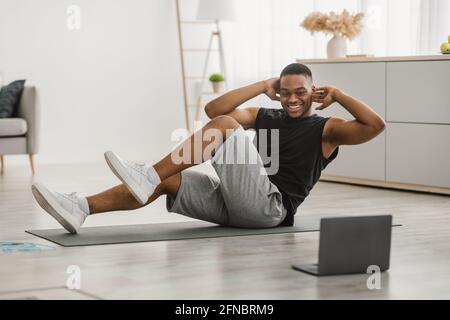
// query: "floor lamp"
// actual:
[[217, 11]]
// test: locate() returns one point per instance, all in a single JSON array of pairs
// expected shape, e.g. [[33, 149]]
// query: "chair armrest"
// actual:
[[29, 110]]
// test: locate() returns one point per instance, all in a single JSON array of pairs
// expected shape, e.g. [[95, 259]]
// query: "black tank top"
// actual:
[[300, 154]]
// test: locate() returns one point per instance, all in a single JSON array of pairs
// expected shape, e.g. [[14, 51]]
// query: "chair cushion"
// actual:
[[10, 97], [11, 127]]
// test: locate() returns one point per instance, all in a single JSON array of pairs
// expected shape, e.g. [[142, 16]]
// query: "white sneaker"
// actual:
[[63, 207], [133, 175]]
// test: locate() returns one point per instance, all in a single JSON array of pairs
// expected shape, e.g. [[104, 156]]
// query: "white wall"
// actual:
[[113, 84]]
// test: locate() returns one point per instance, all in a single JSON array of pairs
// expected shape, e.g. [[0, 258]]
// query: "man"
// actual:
[[244, 195]]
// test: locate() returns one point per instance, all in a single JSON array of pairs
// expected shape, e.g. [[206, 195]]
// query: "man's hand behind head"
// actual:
[[273, 89]]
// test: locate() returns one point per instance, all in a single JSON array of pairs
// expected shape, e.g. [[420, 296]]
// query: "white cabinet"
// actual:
[[418, 154], [366, 82], [413, 95], [365, 161], [418, 92]]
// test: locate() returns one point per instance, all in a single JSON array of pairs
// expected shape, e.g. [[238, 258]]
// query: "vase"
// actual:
[[217, 86], [337, 47]]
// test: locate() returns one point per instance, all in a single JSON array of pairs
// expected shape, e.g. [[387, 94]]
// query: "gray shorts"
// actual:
[[241, 196]]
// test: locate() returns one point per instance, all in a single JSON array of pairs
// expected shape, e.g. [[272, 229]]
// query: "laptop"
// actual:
[[352, 244]]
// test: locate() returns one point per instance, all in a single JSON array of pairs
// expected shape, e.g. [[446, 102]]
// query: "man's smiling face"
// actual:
[[296, 95]]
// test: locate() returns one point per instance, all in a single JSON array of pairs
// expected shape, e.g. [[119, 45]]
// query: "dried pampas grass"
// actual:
[[344, 24]]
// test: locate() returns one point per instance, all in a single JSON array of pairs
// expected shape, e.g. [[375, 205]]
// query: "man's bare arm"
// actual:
[[228, 102], [233, 99], [246, 117], [366, 126]]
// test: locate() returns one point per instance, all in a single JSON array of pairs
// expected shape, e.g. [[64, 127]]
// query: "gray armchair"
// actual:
[[21, 135]]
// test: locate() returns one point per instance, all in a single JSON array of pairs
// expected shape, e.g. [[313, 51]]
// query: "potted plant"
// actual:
[[341, 26], [217, 81]]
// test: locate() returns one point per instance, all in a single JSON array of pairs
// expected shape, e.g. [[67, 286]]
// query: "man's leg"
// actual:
[[223, 124], [71, 211], [142, 180], [252, 200], [119, 198]]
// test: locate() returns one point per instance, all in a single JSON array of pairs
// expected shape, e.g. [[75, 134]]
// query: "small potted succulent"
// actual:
[[217, 81]]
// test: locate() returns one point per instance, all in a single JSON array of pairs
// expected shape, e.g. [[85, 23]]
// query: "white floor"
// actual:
[[255, 267]]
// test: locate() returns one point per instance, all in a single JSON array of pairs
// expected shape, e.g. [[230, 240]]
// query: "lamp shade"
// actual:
[[221, 10]]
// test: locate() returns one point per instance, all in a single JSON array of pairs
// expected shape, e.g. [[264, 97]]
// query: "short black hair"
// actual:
[[297, 69]]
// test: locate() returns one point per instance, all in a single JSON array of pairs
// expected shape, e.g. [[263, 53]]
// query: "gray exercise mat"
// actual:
[[90, 236]]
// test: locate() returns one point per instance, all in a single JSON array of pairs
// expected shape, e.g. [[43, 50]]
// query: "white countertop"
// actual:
[[435, 57]]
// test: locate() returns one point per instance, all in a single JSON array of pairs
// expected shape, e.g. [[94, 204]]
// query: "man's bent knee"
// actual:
[[225, 122], [171, 185]]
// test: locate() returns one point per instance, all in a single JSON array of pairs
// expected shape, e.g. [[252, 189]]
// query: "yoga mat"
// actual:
[[90, 236], [12, 247]]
